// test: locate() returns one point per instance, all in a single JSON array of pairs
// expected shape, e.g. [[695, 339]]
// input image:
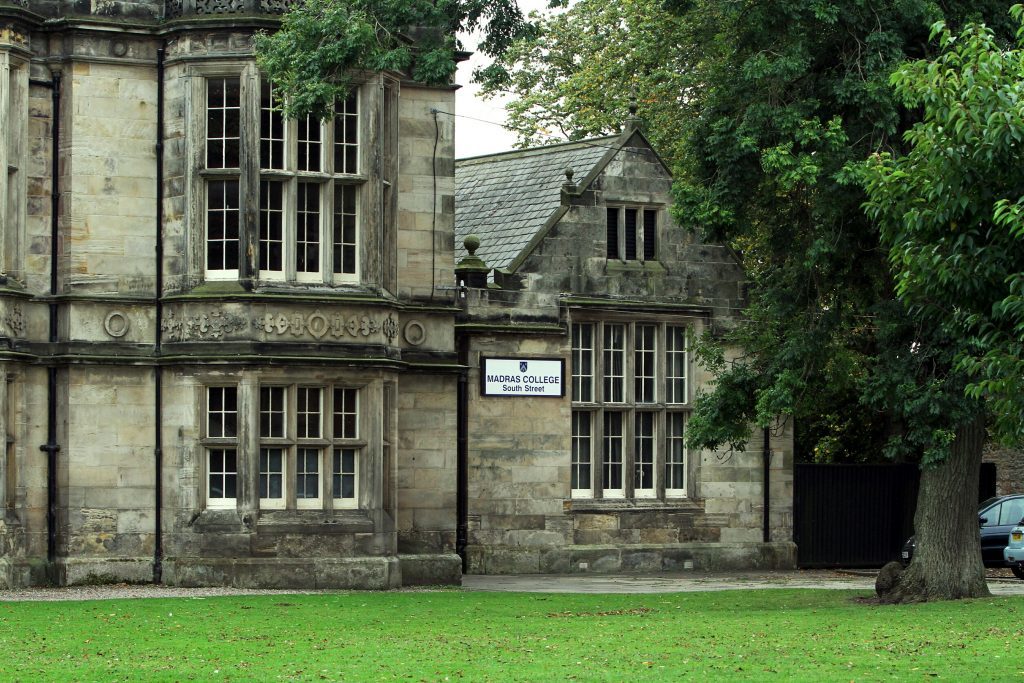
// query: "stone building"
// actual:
[[230, 331], [591, 273], [232, 349]]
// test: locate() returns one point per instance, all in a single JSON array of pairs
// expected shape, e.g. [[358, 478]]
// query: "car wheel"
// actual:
[[1017, 571]]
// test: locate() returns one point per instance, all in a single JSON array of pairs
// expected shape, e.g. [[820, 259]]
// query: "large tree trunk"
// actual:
[[947, 561]]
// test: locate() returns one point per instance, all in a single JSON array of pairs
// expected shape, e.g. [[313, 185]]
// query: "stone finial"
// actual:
[[471, 271], [633, 121], [569, 186]]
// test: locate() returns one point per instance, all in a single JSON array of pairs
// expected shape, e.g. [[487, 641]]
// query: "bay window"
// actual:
[[303, 189], [308, 452]]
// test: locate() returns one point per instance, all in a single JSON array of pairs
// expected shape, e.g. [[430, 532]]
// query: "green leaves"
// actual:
[[323, 45], [951, 209]]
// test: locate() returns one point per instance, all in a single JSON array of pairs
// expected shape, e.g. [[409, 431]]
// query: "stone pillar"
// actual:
[[6, 125], [4, 412]]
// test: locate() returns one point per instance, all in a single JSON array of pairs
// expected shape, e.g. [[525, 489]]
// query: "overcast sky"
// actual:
[[473, 137]]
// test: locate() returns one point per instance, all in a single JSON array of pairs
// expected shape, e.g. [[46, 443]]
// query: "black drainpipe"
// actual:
[[158, 453], [51, 447], [767, 458], [462, 450]]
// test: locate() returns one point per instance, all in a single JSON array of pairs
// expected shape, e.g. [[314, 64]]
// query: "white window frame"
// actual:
[[218, 440], [250, 176], [672, 438], [313, 428], [346, 441], [274, 441], [659, 438], [582, 454], [326, 178], [309, 503]]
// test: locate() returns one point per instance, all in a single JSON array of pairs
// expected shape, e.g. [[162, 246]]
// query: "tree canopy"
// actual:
[[576, 74], [323, 44], [951, 208]]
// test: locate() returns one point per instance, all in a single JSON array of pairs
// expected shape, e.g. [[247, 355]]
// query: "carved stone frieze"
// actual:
[[202, 326], [318, 325], [12, 323]]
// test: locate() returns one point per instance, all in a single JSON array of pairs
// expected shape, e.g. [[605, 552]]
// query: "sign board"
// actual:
[[522, 377]]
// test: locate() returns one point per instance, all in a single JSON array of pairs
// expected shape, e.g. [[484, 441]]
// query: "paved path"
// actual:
[[693, 581], [536, 583]]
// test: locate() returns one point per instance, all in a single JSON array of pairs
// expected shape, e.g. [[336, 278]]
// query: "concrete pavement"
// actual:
[[695, 581]]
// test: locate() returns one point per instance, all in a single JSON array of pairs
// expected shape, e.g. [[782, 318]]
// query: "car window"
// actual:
[[985, 503], [1012, 511], [991, 515]]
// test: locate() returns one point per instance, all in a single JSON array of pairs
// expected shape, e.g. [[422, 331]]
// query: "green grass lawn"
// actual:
[[451, 635]]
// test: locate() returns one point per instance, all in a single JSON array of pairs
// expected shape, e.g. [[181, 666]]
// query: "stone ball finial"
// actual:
[[472, 243], [569, 173]]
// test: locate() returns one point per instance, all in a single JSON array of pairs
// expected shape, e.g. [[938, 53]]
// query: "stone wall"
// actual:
[[426, 464], [518, 467], [1009, 464], [426, 193], [107, 475], [108, 178]]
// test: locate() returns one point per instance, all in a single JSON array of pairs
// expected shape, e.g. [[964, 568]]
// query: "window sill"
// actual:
[[599, 505], [314, 522], [619, 266]]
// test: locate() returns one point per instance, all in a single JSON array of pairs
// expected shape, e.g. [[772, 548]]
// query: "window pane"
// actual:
[[309, 144], [650, 234], [644, 367], [222, 479], [345, 413], [307, 473], [222, 122], [675, 453], [643, 453], [271, 129], [272, 412], [222, 412], [613, 233], [222, 225], [271, 226], [675, 363], [345, 229], [271, 473], [612, 470], [308, 412], [344, 473], [581, 450], [307, 229], [346, 135], [614, 363], [583, 362]]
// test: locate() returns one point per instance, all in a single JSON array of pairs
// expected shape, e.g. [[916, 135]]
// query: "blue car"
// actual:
[[997, 518]]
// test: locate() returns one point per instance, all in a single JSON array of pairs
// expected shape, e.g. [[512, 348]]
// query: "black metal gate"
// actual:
[[858, 515]]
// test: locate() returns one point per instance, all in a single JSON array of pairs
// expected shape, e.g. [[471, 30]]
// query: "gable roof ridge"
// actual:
[[541, 149]]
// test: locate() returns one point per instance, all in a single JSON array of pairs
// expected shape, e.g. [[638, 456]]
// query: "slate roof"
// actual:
[[505, 199]]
